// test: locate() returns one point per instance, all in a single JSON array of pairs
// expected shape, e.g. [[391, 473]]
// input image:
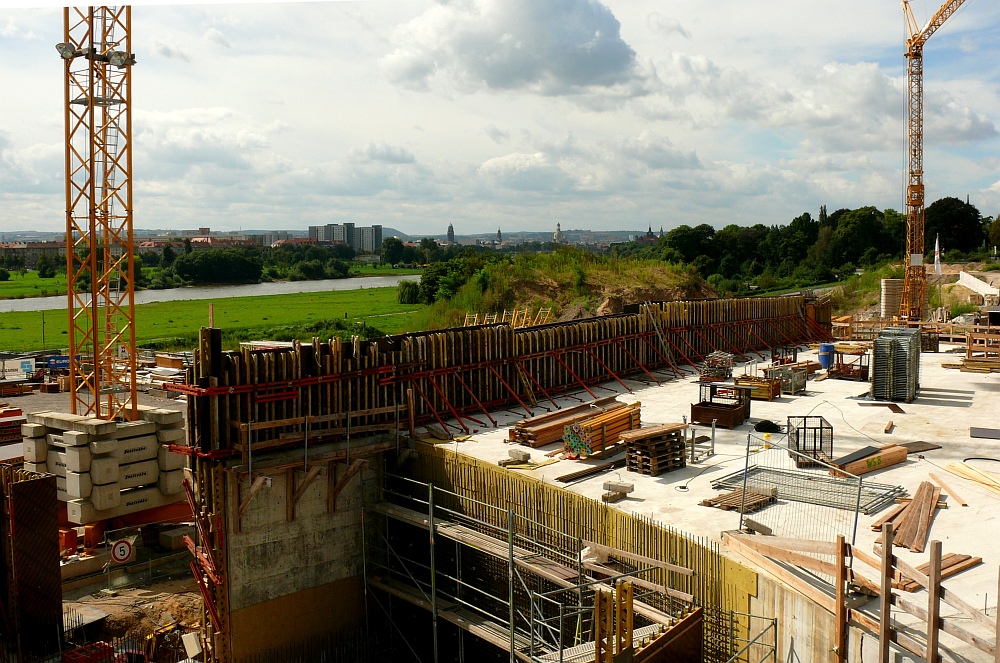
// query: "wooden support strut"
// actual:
[[334, 488]]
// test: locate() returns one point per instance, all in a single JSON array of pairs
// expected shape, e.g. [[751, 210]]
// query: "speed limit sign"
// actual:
[[121, 551]]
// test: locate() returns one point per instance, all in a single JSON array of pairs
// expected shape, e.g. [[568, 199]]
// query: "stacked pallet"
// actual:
[[107, 469], [548, 428], [757, 497], [11, 419], [911, 521], [655, 450], [600, 432], [764, 389]]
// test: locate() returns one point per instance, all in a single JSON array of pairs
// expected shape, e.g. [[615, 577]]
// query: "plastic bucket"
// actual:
[[825, 354]]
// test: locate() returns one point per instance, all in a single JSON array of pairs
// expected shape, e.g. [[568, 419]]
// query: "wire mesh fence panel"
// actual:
[[754, 638], [795, 503]]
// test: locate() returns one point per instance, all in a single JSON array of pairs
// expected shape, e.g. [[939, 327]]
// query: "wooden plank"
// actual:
[[895, 511], [783, 555], [885, 597], [255, 488], [840, 616], [607, 550], [881, 459], [946, 625], [331, 497], [306, 480], [927, 512], [803, 587], [934, 602], [888, 427], [797, 545], [946, 488]]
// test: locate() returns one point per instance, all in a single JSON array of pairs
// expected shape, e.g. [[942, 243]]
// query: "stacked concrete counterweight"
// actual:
[[106, 469]]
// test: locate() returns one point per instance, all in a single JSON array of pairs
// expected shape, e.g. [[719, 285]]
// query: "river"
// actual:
[[220, 292]]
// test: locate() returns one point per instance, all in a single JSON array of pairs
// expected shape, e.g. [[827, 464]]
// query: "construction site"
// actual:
[[727, 480]]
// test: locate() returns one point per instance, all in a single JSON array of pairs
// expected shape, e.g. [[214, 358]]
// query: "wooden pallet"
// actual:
[[756, 500]]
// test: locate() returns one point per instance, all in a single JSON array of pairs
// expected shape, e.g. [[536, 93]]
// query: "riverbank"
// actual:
[[175, 324], [219, 291]]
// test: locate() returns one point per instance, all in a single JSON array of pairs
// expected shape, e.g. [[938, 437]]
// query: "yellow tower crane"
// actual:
[[915, 284], [98, 59]]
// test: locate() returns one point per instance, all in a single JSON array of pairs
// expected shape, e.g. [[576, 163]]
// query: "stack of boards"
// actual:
[[548, 428], [106, 469], [911, 521]]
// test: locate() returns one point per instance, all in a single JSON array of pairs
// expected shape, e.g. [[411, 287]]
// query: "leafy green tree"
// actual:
[[995, 231], [691, 242], [219, 266], [392, 251], [187, 245], [167, 257], [957, 223], [45, 266], [408, 292]]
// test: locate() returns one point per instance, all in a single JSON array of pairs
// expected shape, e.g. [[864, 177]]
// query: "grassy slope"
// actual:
[[239, 317], [570, 282]]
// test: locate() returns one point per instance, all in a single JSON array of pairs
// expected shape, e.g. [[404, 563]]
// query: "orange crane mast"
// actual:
[[96, 51], [915, 282]]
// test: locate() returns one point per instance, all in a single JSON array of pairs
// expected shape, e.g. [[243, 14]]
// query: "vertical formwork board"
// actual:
[[35, 594]]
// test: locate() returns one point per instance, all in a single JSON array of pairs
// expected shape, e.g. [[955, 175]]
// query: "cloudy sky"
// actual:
[[612, 114]]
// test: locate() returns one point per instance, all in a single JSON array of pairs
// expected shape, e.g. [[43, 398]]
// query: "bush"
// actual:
[[408, 292], [4, 274]]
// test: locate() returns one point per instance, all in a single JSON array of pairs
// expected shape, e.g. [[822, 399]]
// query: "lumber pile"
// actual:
[[11, 419], [869, 459], [911, 521], [951, 564], [655, 450], [988, 481], [602, 431], [764, 389], [548, 428], [756, 498], [975, 365]]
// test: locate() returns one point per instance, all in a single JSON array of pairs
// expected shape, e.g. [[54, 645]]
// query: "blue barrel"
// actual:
[[825, 354]]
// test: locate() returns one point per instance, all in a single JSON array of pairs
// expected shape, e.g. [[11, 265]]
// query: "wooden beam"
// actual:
[[841, 612], [885, 598], [310, 476], [934, 603], [947, 625], [797, 545], [781, 554], [255, 488], [946, 488], [608, 550], [784, 575], [336, 488]]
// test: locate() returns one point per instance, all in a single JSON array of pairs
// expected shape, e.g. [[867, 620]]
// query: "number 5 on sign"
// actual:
[[121, 551]]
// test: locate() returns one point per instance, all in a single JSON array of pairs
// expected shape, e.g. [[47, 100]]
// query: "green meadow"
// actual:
[[175, 325], [29, 285]]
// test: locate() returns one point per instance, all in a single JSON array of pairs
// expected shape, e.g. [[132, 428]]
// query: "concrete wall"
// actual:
[[290, 581]]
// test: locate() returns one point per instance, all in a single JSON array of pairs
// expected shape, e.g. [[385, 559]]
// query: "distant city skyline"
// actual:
[[517, 114]]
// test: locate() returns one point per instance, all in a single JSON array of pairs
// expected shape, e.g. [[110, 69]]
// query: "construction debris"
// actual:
[[591, 471], [616, 490]]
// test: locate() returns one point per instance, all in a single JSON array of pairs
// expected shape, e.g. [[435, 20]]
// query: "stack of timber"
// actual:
[[869, 459], [911, 521], [655, 450], [764, 389], [547, 428], [278, 397], [951, 564], [718, 366], [11, 419], [108, 469], [601, 432], [757, 497], [11, 388], [986, 480]]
